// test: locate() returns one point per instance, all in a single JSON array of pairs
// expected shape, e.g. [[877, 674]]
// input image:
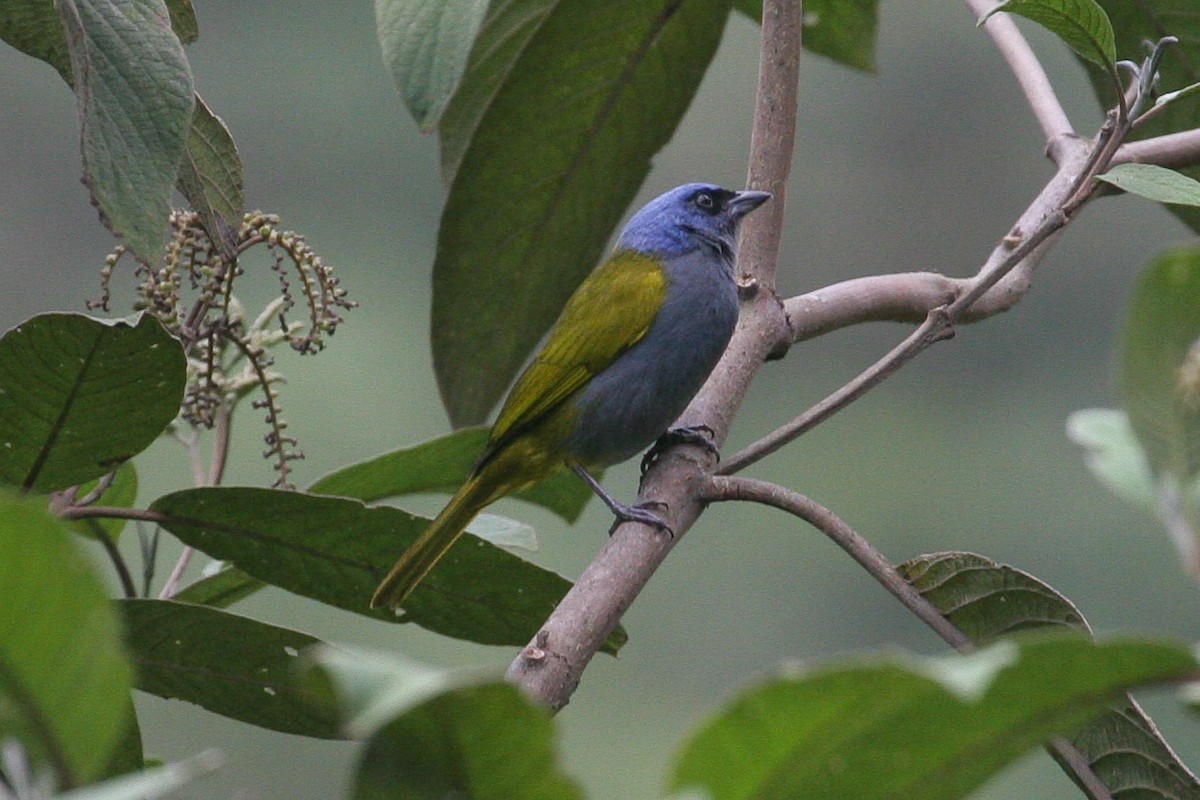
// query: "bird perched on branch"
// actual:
[[632, 347]]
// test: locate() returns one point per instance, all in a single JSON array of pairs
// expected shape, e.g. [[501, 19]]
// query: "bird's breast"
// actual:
[[624, 408]]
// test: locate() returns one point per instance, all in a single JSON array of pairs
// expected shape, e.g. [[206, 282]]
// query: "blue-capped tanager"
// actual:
[[632, 347]]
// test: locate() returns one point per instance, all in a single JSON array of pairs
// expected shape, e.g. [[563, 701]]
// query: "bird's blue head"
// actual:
[[690, 216]]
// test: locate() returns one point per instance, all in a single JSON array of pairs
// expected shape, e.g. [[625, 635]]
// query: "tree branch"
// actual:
[[551, 665], [1173, 150], [1027, 69], [549, 668], [1002, 280], [722, 489]]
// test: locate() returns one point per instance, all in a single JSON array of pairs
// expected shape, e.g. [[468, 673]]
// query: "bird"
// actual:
[[630, 349]]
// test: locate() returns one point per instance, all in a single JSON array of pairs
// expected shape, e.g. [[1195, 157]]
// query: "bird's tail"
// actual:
[[430, 546]]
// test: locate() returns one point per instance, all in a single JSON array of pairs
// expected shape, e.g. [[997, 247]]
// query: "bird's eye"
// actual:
[[705, 201]]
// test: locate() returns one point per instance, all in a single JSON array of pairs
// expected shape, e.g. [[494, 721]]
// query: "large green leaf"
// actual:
[[487, 742], [1082, 24], [1137, 23], [426, 44], [443, 465], [986, 600], [210, 174], [64, 681], [336, 551], [545, 143], [135, 95], [1160, 363], [210, 177], [437, 733], [932, 729], [231, 665], [34, 28], [79, 396], [843, 30]]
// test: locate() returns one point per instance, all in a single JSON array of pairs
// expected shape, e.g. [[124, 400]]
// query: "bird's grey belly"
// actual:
[[623, 409]]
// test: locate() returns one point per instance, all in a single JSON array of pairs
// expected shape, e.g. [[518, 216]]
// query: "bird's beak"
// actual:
[[745, 202]]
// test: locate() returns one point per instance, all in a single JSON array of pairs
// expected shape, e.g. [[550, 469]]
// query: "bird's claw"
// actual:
[[641, 512], [699, 435]]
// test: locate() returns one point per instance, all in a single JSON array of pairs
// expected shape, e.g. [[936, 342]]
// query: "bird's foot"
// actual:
[[699, 435], [640, 512]]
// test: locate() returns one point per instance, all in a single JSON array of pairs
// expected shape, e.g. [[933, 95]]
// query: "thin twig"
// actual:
[[114, 555], [1004, 279], [1072, 758], [171, 585], [149, 548], [191, 441], [113, 512], [220, 451], [723, 488], [102, 486]]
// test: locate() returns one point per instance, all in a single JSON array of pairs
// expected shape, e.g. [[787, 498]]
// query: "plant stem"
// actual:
[[723, 489], [113, 512], [114, 555]]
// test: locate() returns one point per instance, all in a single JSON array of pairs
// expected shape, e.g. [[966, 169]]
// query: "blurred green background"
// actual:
[[920, 167]]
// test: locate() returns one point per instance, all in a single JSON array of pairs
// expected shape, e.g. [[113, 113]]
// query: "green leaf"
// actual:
[[1115, 457], [210, 178], [64, 681], [905, 727], [80, 396], [127, 755], [425, 44], [1154, 182], [443, 465], [230, 665], [34, 28], [220, 590], [1082, 24], [437, 733], [545, 144], [1112, 453], [841, 30], [336, 551], [367, 688], [986, 600], [1160, 363], [486, 742], [151, 783], [1137, 23], [120, 494], [135, 95], [183, 20]]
